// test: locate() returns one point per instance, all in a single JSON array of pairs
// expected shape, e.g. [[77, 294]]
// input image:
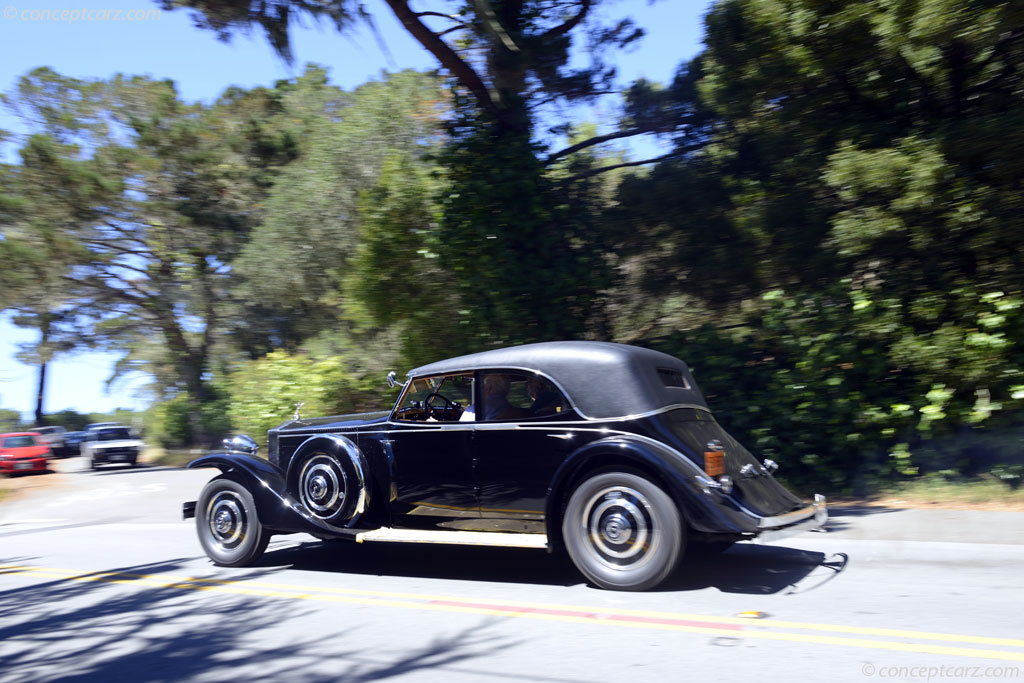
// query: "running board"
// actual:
[[488, 538]]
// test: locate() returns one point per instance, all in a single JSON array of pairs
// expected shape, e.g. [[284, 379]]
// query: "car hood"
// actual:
[[120, 443], [26, 452], [337, 421]]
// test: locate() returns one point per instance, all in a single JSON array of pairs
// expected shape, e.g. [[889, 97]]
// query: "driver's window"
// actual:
[[436, 399]]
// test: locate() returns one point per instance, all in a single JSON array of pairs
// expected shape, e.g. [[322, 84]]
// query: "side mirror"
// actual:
[[241, 444], [393, 381]]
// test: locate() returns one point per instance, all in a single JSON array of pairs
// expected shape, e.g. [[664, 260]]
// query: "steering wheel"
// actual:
[[450, 406]]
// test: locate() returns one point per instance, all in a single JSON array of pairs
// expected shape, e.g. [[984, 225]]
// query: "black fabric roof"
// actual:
[[601, 379]]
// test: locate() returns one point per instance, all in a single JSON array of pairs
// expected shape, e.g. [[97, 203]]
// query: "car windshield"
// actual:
[[113, 434], [440, 399], [19, 442], [50, 430]]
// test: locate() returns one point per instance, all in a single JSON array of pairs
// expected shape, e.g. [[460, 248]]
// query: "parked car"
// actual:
[[23, 452], [111, 444], [53, 436], [73, 443], [97, 425], [606, 450]]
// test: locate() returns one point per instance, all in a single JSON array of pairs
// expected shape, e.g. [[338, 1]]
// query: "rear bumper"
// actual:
[[807, 518]]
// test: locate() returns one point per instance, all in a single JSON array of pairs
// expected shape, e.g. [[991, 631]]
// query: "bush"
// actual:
[[169, 425], [264, 392], [825, 385]]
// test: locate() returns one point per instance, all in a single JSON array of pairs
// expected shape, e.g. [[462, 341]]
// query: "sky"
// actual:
[[161, 44]]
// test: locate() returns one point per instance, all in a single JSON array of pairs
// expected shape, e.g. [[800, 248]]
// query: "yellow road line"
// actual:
[[424, 602]]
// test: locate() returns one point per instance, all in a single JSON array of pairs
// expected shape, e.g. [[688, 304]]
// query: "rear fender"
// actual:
[[673, 471]]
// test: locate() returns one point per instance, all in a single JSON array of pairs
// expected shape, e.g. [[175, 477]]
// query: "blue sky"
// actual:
[[169, 46]]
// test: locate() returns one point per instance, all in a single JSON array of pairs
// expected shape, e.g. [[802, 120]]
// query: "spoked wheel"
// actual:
[[622, 531], [229, 530]]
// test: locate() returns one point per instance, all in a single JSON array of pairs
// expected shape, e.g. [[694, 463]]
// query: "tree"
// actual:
[[149, 200], [294, 270], [525, 265], [30, 282], [873, 191]]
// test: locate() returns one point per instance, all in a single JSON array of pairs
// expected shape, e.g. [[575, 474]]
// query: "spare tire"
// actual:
[[329, 476]]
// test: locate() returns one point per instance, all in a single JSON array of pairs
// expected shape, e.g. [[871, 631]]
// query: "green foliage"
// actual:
[[71, 420], [10, 420], [293, 272], [816, 384], [169, 423], [263, 393]]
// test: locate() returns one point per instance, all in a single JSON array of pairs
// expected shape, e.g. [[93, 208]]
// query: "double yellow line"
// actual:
[[898, 640]]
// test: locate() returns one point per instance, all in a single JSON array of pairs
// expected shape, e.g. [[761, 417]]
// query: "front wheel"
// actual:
[[622, 531], [226, 521]]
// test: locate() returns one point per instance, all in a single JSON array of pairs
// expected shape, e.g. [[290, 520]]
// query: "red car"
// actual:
[[23, 452]]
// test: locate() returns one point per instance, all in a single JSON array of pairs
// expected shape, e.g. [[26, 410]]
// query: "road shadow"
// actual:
[[133, 625], [745, 568], [753, 569]]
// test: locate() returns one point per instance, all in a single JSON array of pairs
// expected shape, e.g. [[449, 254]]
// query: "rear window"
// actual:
[[19, 442], [673, 378]]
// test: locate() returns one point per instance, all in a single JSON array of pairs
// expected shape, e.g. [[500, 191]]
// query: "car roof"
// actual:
[[600, 379], [20, 434]]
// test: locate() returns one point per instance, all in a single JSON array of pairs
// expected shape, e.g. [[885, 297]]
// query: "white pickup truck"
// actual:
[[111, 445]]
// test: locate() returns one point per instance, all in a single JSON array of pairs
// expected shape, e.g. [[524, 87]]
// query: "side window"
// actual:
[[436, 399], [519, 396]]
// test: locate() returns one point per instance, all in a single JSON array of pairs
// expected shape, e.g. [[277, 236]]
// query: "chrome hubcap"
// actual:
[[619, 525], [226, 519], [322, 485]]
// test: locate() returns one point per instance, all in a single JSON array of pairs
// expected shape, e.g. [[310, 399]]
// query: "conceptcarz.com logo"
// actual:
[[70, 16]]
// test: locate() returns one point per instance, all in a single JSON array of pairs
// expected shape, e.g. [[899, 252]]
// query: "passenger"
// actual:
[[495, 397], [546, 401]]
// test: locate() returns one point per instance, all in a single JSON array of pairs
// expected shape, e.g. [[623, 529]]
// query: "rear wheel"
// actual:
[[228, 527], [622, 531]]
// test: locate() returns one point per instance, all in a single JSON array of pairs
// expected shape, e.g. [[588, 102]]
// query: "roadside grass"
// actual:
[[938, 491], [171, 457]]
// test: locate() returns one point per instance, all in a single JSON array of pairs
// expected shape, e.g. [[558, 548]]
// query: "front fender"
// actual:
[[704, 512], [268, 485]]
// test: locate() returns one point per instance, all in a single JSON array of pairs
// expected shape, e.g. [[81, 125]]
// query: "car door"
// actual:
[[518, 450], [432, 468]]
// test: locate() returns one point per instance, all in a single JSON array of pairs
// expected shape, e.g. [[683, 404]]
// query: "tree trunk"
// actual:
[[40, 390], [44, 358]]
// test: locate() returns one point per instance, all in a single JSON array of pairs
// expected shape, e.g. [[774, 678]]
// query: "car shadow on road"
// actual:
[[841, 518], [745, 568], [138, 623]]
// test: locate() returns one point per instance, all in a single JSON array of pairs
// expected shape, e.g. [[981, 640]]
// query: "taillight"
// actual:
[[714, 458]]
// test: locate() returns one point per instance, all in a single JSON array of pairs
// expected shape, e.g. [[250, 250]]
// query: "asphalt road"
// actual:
[[100, 580]]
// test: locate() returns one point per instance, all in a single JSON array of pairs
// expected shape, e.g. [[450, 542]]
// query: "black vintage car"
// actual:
[[606, 450]]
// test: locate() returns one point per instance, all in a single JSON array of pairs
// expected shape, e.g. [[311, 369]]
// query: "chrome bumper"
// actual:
[[807, 518]]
